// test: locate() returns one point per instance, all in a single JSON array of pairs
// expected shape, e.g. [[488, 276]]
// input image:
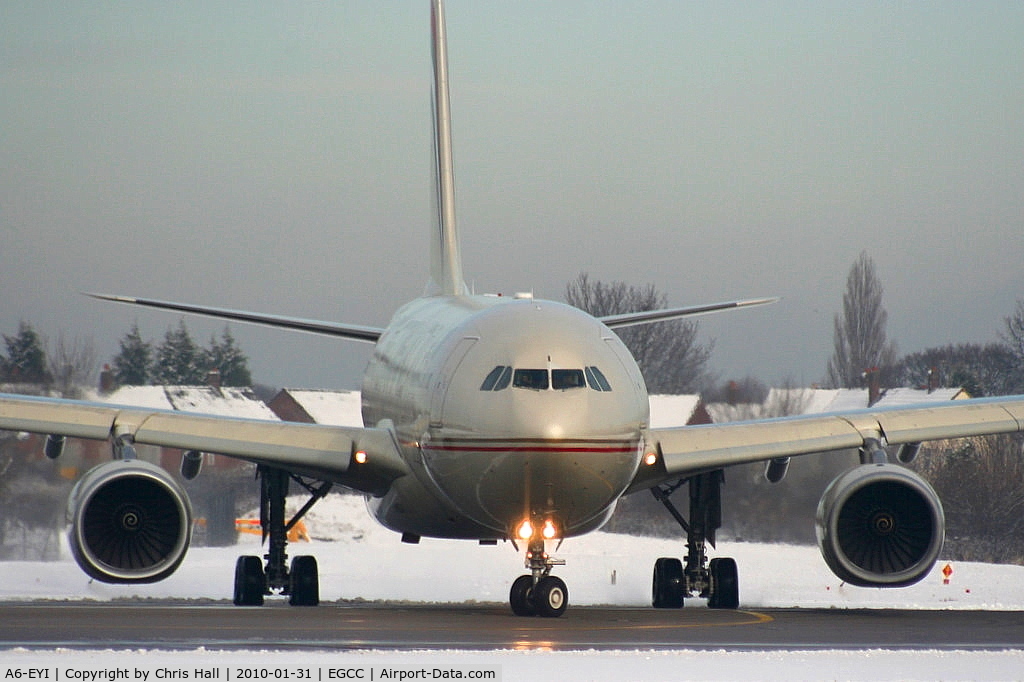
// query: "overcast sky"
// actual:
[[277, 157]]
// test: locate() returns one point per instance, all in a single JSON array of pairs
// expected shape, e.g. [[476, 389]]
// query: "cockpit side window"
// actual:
[[504, 379], [536, 379], [597, 380], [497, 379], [564, 379], [491, 379]]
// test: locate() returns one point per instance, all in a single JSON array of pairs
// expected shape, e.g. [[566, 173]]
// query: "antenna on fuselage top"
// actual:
[[445, 257]]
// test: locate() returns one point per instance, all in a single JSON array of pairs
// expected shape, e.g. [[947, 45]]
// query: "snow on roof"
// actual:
[[153, 397], [672, 410], [223, 402], [912, 396], [337, 408], [783, 401], [722, 413]]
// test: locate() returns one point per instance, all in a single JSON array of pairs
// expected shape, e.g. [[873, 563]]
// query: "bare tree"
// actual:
[[980, 369], [668, 353], [979, 483], [1013, 336], [859, 341], [72, 364]]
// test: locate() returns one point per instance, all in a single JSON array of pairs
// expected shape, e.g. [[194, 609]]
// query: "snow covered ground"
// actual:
[[359, 559]]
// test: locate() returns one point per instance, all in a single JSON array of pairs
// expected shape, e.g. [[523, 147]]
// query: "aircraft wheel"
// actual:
[[305, 582], [519, 596], [725, 584], [550, 597], [667, 587], [250, 581]]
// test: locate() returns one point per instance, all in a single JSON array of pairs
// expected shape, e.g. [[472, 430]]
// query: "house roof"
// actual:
[[223, 402], [337, 408], [783, 401], [672, 410]]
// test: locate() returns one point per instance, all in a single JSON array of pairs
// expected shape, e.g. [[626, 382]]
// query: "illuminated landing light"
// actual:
[[360, 457], [651, 458], [525, 530], [549, 530]]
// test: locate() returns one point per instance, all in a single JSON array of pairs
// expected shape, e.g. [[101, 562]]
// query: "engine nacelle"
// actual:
[[130, 522], [880, 525]]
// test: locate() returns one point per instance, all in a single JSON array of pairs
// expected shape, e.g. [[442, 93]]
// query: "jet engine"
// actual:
[[880, 525], [130, 522]]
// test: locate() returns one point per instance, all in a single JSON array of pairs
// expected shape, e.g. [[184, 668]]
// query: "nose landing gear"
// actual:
[[539, 593]]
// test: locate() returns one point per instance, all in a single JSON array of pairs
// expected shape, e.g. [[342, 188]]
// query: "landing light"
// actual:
[[525, 530], [360, 456], [650, 458], [549, 530]]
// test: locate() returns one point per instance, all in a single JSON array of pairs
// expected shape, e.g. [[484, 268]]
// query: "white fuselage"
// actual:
[[506, 410]]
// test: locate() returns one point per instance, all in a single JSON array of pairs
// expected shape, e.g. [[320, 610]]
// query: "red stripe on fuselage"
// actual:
[[518, 447]]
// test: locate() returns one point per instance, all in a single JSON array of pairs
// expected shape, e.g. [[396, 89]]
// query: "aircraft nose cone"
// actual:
[[553, 414]]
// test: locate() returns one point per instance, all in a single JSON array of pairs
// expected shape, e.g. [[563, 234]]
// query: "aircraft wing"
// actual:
[[324, 452], [688, 450]]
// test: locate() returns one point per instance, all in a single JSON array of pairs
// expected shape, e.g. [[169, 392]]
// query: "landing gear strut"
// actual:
[[300, 581], [539, 593], [717, 581]]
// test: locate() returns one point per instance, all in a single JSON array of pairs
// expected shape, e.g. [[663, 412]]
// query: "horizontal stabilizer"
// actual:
[[347, 331], [648, 316]]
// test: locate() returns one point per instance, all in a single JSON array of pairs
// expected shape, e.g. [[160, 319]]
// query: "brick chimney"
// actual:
[[107, 383], [874, 381], [732, 393], [213, 378], [933, 379]]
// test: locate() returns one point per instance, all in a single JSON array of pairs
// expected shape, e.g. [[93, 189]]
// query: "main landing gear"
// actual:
[[300, 581], [539, 593], [717, 581]]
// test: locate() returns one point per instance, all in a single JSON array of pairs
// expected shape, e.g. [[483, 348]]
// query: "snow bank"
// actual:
[[359, 559]]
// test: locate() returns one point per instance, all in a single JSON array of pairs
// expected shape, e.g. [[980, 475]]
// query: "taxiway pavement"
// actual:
[[490, 627]]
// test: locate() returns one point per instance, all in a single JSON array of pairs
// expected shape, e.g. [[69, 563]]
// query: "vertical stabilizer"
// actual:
[[445, 257]]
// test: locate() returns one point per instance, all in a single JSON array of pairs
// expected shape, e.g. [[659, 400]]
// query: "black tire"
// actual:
[[304, 582], [725, 584], [250, 581], [519, 596], [550, 597], [667, 586]]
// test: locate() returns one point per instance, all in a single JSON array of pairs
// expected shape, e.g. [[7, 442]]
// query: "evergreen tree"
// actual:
[[132, 364], [179, 361], [26, 359], [229, 360]]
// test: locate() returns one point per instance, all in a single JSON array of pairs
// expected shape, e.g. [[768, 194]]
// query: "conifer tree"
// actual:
[[26, 358], [229, 360], [179, 360], [132, 365]]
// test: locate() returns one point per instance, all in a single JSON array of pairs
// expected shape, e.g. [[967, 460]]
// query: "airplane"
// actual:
[[498, 419]]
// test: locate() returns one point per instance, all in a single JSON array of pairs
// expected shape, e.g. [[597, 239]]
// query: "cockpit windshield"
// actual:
[[502, 376], [564, 379], [536, 379]]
